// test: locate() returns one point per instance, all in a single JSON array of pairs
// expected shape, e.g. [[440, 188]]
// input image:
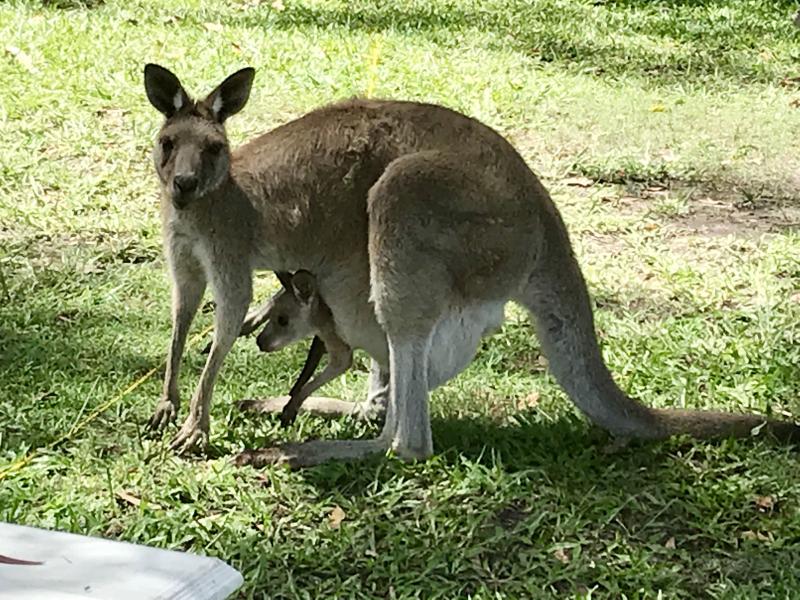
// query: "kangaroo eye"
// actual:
[[283, 321], [166, 147], [215, 148]]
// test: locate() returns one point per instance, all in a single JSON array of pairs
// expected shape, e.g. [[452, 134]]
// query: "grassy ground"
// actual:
[[667, 132]]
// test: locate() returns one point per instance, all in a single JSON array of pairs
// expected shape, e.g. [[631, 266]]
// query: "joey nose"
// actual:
[[263, 342], [185, 184]]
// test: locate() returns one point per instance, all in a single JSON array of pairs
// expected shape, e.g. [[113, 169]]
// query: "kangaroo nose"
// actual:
[[185, 183], [263, 342]]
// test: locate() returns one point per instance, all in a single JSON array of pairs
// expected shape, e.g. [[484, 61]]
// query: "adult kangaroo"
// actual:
[[419, 224]]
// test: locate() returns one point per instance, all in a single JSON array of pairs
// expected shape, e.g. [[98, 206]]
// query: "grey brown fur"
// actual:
[[419, 224]]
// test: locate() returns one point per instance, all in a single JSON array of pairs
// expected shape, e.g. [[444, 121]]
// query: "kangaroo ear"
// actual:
[[304, 285], [286, 280], [231, 95], [164, 90]]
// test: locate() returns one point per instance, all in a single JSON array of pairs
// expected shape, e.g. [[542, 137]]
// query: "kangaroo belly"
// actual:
[[456, 338], [359, 328], [346, 292], [454, 341]]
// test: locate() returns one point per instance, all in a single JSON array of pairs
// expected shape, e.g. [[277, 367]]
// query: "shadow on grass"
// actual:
[[665, 42], [71, 4], [504, 495], [59, 366], [551, 448]]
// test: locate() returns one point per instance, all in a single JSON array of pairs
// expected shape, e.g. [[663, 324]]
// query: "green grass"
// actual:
[[666, 132]]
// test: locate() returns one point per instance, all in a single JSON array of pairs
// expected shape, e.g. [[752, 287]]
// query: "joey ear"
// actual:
[[231, 95], [164, 90], [304, 285], [286, 280]]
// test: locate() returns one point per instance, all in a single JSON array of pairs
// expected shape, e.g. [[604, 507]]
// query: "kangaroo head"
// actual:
[[192, 155], [291, 316]]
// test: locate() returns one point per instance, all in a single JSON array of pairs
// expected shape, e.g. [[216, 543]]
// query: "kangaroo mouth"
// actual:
[[181, 200]]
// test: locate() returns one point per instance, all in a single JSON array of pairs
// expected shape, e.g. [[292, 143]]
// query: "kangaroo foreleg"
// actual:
[[188, 285], [312, 361], [232, 296], [340, 360], [255, 318], [371, 409]]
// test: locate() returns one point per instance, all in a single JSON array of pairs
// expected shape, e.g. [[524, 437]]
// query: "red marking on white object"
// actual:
[[7, 560]]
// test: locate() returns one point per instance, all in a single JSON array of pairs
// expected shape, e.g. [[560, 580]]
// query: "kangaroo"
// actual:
[[419, 223], [297, 312]]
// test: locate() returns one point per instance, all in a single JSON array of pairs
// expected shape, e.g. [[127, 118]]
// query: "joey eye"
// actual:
[[283, 321]]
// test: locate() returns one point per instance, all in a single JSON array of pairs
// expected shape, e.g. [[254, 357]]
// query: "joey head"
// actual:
[[297, 312]]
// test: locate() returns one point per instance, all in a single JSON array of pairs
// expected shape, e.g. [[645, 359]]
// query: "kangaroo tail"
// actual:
[[556, 296], [712, 424]]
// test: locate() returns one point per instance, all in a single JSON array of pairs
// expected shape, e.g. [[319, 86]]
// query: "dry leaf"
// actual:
[[670, 543], [236, 48], [112, 113], [128, 497], [46, 396], [114, 116], [766, 504], [667, 155], [795, 103], [650, 226], [658, 108], [578, 181], [336, 517], [211, 519], [529, 401], [23, 59], [264, 480], [134, 500], [755, 536], [561, 555], [542, 361], [214, 27], [783, 413], [114, 529]]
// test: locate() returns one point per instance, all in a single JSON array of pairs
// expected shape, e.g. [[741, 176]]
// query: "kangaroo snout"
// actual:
[[183, 188], [185, 183], [264, 343]]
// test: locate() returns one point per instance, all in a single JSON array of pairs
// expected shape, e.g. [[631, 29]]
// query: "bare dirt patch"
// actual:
[[713, 217], [713, 212], [684, 214]]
